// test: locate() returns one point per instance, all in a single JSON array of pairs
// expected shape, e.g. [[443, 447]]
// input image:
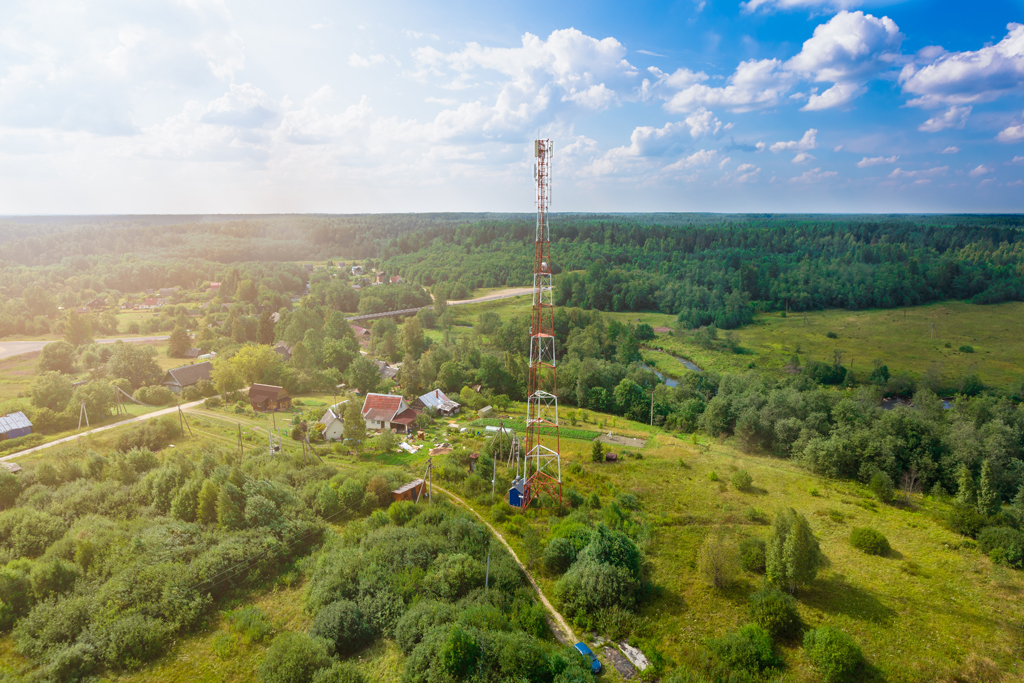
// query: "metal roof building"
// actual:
[[437, 400], [14, 425]]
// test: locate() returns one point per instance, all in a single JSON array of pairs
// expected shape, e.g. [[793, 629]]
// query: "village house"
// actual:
[[357, 270], [284, 350], [186, 376], [334, 425], [411, 491], [267, 398], [386, 371], [397, 280], [214, 288], [437, 400], [388, 411]]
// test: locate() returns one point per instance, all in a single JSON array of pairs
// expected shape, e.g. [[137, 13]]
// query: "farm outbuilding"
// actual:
[[177, 379], [437, 400], [411, 491], [267, 398], [14, 425], [334, 425], [517, 492]]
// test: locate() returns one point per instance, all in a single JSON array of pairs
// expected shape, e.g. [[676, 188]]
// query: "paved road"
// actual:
[[493, 296], [75, 437], [16, 348]]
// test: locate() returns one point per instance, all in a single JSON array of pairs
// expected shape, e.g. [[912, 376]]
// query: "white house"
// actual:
[[334, 425]]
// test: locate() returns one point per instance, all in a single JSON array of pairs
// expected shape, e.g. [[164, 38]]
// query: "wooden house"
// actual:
[[412, 491], [437, 400], [266, 398], [186, 376], [14, 425]]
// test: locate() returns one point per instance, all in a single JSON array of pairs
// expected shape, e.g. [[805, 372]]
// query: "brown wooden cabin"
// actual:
[[266, 398], [410, 491]]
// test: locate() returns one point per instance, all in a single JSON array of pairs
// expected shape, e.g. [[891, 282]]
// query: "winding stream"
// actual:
[[687, 363]]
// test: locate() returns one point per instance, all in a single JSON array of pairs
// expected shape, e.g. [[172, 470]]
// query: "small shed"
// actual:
[[473, 458], [517, 492], [14, 425], [437, 400], [611, 457], [268, 398], [486, 411], [411, 491], [11, 467]]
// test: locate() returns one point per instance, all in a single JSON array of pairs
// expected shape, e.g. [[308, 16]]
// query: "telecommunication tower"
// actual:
[[542, 461]]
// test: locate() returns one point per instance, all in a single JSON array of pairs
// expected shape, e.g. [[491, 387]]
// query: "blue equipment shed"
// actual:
[[14, 425], [515, 493]]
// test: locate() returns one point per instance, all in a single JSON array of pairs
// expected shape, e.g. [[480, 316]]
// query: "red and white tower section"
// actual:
[[543, 463]]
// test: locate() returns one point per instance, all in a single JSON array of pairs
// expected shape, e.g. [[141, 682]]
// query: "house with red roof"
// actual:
[[388, 411]]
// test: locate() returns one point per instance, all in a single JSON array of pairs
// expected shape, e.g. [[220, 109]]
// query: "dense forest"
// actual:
[[702, 268]]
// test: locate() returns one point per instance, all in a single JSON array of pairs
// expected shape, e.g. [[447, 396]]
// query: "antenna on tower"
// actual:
[[542, 461]]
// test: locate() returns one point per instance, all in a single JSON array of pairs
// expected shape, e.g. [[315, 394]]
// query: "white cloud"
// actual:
[[754, 85], [360, 61], [954, 117], [649, 53], [875, 161], [814, 175], [699, 158], [924, 173], [837, 148], [747, 173], [703, 122], [1011, 134], [808, 141], [952, 149], [803, 157], [967, 77], [723, 162], [849, 49], [1016, 160], [979, 170]]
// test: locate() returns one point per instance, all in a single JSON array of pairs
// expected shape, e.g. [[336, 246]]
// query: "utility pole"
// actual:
[[487, 574], [241, 452], [426, 479], [82, 411], [181, 417], [652, 406]]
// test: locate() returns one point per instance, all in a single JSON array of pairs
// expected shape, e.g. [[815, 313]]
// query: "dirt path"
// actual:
[[9, 349], [566, 635], [75, 437]]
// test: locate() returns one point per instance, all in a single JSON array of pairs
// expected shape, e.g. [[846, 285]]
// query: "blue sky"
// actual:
[[185, 106]]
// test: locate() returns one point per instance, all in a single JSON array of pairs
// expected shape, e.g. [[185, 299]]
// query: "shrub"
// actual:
[[132, 640], [589, 587], [869, 541], [717, 560], [213, 402], [742, 480], [340, 672], [499, 512], [294, 658], [966, 520], [401, 512], [1003, 544], [343, 626], [154, 396], [597, 452], [559, 555], [752, 554], [833, 653], [881, 485], [595, 501], [831, 335], [774, 611], [251, 623], [967, 348], [712, 475], [748, 648]]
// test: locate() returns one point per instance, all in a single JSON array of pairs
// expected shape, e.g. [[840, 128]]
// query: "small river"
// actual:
[[687, 363]]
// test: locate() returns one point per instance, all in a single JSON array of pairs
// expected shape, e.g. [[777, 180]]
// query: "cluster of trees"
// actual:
[[720, 269], [977, 441], [104, 558], [419, 575]]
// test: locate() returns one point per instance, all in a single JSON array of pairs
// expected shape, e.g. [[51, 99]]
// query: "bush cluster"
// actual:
[[869, 541]]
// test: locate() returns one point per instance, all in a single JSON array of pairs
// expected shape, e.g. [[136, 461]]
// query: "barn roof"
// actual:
[[263, 392], [415, 483], [382, 407], [187, 375], [18, 420], [437, 399]]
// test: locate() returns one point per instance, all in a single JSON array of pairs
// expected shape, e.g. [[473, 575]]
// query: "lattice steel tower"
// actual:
[[542, 462]]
